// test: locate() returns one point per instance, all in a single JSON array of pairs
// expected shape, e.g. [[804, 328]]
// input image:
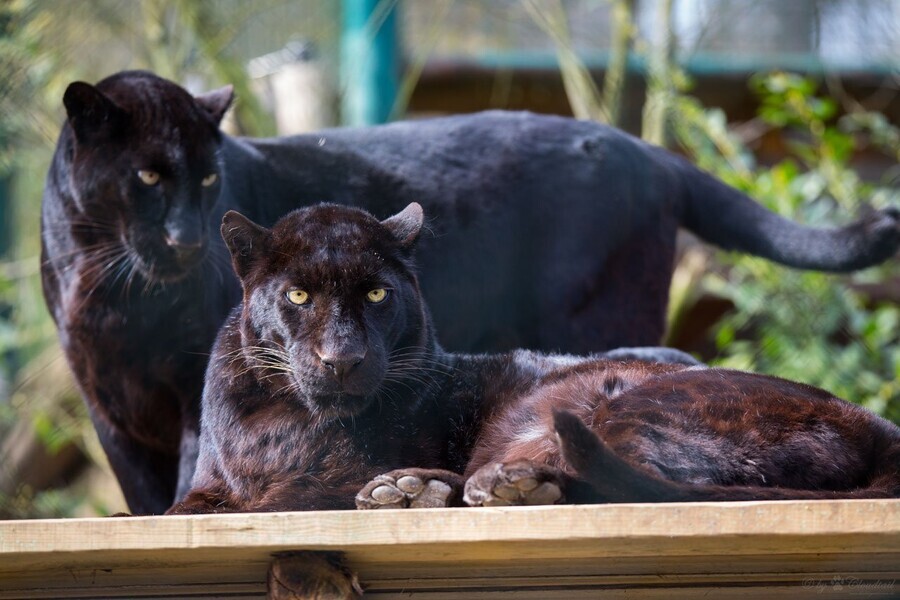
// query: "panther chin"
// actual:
[[339, 405], [168, 269]]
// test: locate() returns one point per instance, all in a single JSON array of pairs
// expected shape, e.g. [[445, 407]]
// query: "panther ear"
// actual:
[[245, 240], [216, 102], [91, 113], [406, 224]]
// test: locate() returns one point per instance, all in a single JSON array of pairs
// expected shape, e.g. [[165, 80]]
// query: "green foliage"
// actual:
[[812, 327], [14, 58], [74, 500]]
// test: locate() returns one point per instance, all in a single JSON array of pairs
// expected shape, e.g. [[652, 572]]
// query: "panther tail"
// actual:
[[731, 220], [614, 479]]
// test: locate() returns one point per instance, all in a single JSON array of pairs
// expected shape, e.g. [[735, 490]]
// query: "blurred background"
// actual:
[[795, 102]]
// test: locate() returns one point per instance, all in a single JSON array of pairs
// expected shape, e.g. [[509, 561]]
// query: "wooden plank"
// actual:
[[594, 530], [791, 549], [182, 579]]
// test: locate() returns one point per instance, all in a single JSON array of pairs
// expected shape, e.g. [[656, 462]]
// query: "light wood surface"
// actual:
[[823, 549]]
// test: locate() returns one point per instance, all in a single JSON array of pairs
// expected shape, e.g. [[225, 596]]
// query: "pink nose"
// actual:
[[341, 364], [184, 247]]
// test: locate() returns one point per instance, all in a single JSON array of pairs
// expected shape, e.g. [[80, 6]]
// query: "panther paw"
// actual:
[[404, 489], [517, 483]]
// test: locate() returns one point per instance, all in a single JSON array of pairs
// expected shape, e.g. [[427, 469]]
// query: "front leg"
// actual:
[[187, 457], [146, 475], [412, 488]]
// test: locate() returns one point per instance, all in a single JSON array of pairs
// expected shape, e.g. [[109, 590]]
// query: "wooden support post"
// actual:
[[311, 576]]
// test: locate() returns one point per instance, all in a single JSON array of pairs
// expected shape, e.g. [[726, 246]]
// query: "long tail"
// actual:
[[723, 216], [616, 480]]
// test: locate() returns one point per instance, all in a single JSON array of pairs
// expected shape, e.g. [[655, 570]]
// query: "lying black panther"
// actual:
[[551, 234], [327, 386]]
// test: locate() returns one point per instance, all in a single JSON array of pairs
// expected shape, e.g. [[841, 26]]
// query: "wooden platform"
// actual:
[[826, 549]]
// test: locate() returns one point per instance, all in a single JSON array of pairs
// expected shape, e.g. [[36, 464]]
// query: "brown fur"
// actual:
[[715, 434]]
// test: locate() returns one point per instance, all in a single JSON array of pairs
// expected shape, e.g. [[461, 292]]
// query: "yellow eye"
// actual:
[[209, 180], [148, 177], [377, 295], [297, 297]]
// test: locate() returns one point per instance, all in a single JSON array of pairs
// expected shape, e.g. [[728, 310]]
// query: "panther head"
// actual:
[[332, 313], [145, 170]]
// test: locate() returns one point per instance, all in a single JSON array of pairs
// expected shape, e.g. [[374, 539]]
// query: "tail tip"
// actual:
[[577, 442], [882, 229]]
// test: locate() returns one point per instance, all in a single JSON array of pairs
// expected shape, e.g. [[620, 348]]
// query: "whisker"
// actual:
[[86, 251], [95, 273]]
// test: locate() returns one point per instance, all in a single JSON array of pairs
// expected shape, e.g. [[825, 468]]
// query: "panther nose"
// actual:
[[184, 248], [341, 364]]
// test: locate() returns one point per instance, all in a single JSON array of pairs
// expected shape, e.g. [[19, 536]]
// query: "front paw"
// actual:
[[514, 484], [409, 488]]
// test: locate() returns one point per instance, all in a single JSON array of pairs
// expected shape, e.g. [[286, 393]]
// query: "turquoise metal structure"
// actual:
[[370, 59]]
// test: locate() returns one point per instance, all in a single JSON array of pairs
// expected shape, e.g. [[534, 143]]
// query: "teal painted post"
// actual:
[[369, 61]]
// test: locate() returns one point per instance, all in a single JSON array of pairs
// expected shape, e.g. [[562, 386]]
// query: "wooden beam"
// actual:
[[725, 550]]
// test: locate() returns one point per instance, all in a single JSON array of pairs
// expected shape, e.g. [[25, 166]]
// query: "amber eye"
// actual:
[[209, 180], [148, 177], [376, 295], [297, 297]]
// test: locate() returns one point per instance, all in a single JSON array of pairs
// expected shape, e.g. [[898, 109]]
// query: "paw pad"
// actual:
[[514, 484], [406, 491]]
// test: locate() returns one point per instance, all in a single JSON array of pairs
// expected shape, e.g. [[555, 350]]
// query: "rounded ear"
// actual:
[[216, 102], [90, 112], [406, 224], [245, 240]]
